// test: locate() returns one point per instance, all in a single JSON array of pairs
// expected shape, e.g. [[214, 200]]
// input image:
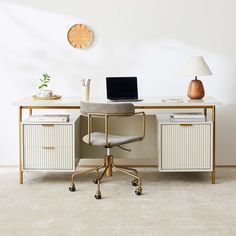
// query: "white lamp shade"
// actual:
[[196, 66]]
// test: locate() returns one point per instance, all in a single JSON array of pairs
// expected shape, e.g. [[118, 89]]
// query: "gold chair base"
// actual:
[[108, 166]]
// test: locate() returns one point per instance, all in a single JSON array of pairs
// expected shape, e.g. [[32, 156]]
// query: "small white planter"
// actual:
[[45, 93]]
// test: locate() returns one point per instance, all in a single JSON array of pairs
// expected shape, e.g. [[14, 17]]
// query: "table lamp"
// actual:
[[196, 66]]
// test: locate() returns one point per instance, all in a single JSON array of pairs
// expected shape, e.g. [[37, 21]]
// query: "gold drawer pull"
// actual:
[[186, 124], [47, 125], [48, 148]]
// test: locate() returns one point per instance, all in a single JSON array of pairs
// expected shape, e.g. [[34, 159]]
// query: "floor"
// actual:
[[171, 204]]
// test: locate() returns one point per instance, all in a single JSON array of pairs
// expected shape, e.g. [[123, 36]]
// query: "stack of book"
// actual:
[[55, 118], [188, 117]]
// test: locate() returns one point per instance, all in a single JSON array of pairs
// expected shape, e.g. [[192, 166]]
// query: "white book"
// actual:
[[172, 100], [49, 118], [188, 115], [188, 119]]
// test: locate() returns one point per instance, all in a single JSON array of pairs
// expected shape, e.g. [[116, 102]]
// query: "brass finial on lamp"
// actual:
[[196, 66]]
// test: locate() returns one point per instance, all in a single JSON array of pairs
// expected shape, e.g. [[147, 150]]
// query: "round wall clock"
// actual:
[[80, 36]]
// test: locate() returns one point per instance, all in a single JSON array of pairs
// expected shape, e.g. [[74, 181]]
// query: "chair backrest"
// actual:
[[107, 108]]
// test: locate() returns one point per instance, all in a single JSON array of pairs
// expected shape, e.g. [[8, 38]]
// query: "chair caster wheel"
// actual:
[[72, 188], [95, 181], [138, 191], [134, 182], [98, 195]]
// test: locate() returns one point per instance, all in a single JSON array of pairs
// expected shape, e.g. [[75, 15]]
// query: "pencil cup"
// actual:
[[85, 92]]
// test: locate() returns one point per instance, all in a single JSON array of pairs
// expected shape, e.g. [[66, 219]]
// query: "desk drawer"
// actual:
[[47, 158], [39, 135], [186, 147]]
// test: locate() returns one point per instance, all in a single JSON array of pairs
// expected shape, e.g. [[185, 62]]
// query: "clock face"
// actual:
[[80, 36]]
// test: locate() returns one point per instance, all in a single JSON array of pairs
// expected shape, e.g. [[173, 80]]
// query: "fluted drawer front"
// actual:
[[186, 147], [38, 135], [48, 158]]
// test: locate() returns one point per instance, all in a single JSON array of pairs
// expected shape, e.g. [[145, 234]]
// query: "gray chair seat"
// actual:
[[98, 139]]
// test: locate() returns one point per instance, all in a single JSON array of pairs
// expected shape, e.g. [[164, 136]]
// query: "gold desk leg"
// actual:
[[213, 174], [213, 177], [30, 111], [20, 145]]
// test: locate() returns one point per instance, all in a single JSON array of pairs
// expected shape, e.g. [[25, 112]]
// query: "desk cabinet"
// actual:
[[50, 147], [185, 147]]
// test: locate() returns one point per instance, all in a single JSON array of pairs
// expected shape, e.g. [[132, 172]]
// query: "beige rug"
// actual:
[[171, 204]]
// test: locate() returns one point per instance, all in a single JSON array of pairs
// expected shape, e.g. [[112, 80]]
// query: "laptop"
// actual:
[[122, 89]]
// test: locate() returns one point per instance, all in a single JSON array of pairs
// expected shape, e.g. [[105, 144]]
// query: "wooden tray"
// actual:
[[35, 97]]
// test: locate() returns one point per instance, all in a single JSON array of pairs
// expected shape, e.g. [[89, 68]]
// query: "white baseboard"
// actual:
[[129, 162], [95, 162]]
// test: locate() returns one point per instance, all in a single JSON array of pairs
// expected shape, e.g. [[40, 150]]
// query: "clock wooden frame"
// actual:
[[80, 36]]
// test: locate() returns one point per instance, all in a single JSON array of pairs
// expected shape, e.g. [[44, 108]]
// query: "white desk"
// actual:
[[70, 102], [149, 103]]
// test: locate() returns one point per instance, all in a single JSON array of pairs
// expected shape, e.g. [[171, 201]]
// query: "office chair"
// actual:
[[109, 141]]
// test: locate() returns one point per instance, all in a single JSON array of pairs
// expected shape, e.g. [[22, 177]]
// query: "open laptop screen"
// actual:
[[119, 88]]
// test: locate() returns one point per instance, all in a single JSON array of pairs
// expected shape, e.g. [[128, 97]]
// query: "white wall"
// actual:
[[150, 39]]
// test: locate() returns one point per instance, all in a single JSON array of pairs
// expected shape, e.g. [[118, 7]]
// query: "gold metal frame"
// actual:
[[205, 108]]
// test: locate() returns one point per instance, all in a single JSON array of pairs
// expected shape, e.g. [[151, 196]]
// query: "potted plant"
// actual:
[[44, 81]]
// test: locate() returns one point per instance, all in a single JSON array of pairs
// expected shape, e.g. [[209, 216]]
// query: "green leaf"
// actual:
[[45, 79]]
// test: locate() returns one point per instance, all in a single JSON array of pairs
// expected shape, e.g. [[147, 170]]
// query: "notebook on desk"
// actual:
[[122, 89]]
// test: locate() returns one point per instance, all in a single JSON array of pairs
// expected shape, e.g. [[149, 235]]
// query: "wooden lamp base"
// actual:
[[196, 89]]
